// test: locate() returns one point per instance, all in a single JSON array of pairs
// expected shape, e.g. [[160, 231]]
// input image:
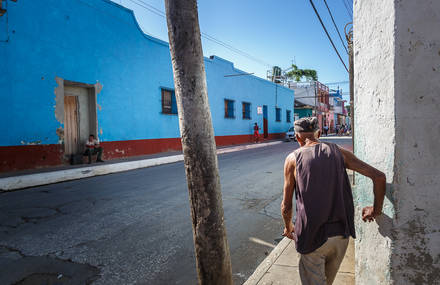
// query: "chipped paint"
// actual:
[[59, 100], [60, 134], [31, 142]]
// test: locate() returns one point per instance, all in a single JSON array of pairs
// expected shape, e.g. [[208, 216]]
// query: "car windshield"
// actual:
[[291, 129]]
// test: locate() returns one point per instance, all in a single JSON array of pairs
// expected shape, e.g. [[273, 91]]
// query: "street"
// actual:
[[134, 227]]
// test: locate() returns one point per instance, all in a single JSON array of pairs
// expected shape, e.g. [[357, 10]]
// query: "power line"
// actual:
[[333, 20], [86, 2], [336, 83], [150, 8], [236, 50], [350, 6], [348, 10], [325, 29], [206, 36]]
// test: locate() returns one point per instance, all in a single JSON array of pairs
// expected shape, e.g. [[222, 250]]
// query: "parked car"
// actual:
[[290, 135]]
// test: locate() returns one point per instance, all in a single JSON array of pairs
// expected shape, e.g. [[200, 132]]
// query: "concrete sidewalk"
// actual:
[[66, 173], [281, 267]]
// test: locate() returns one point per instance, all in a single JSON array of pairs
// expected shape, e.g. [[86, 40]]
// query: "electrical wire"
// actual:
[[348, 10], [350, 5], [325, 30], [333, 20], [206, 36]]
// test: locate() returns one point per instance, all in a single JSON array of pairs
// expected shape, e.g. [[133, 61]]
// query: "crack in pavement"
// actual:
[[34, 219], [11, 249], [44, 269]]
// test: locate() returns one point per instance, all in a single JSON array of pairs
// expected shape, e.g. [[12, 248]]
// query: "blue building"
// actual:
[[71, 68]]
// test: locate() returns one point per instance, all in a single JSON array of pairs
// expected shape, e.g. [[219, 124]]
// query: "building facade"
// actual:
[[85, 67], [338, 115], [313, 99]]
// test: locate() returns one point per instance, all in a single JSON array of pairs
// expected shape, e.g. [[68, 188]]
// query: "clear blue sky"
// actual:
[[275, 32]]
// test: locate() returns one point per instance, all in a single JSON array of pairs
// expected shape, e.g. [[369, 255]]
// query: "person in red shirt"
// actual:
[[256, 134]]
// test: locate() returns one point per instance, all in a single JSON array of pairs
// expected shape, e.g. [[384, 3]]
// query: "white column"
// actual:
[[397, 105]]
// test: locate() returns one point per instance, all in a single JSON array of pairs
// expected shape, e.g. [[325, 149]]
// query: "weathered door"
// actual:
[[85, 125], [71, 132], [265, 122]]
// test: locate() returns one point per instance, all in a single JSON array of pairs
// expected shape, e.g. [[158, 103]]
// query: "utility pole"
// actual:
[[209, 232], [349, 37], [316, 111]]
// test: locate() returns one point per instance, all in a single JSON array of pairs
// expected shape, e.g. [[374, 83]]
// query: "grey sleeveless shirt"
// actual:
[[324, 201]]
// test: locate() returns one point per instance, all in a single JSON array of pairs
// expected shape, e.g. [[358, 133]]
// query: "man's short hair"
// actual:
[[306, 125], [91, 135]]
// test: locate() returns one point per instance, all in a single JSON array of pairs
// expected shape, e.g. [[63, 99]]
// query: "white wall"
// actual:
[[305, 95], [416, 254], [397, 83]]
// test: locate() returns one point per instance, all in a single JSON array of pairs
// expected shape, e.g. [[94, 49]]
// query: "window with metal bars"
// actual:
[[229, 109], [288, 116], [169, 105], [246, 110]]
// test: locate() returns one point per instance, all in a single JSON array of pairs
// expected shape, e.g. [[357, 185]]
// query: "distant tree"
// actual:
[[297, 73]]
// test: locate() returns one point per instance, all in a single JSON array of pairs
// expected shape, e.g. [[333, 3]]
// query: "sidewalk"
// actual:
[[38, 177], [281, 267]]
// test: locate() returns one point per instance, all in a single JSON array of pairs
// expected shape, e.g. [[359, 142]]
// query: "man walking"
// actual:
[[316, 173]]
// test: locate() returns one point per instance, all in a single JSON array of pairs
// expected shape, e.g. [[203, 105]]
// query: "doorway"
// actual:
[[79, 117], [265, 122], [71, 134]]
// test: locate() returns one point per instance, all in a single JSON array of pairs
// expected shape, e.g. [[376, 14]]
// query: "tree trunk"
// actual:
[[209, 232]]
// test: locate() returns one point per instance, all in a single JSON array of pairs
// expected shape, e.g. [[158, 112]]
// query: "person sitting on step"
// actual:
[[93, 147]]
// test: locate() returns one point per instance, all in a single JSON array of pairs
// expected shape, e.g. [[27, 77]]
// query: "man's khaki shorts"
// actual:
[[320, 266]]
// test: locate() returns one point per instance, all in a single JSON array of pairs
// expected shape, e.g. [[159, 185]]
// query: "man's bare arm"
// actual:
[[379, 182], [289, 185]]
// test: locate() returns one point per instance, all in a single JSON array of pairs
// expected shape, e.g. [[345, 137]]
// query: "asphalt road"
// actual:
[[134, 227]]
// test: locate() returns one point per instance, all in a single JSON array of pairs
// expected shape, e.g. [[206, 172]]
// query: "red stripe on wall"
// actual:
[[30, 156], [120, 149], [15, 158]]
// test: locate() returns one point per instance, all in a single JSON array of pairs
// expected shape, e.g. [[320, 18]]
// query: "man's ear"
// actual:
[[299, 140], [318, 135]]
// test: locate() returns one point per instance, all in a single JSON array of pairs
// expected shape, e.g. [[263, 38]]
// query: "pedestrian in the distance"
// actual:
[[326, 130], [316, 173], [256, 133]]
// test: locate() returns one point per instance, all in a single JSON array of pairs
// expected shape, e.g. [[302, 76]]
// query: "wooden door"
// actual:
[[71, 133]]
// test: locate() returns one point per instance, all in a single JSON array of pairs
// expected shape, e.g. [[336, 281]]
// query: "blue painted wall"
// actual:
[[93, 41]]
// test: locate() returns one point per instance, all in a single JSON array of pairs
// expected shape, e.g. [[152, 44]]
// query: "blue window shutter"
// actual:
[[230, 109]]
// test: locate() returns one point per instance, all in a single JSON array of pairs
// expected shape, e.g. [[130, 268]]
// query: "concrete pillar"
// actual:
[[397, 111]]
